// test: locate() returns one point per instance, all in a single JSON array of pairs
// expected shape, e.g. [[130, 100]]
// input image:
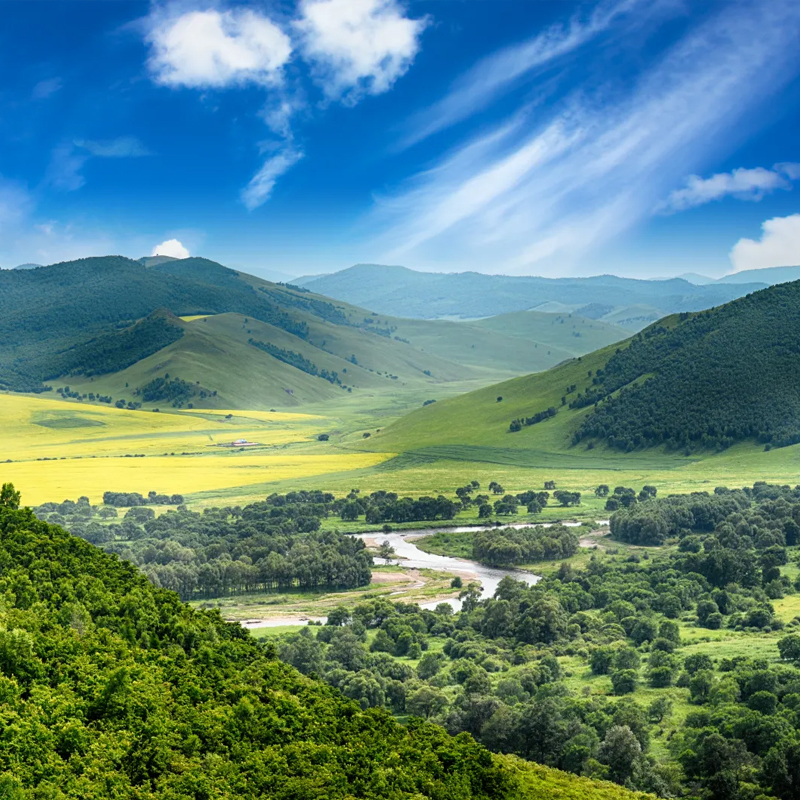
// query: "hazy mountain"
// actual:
[[403, 292], [767, 275], [27, 266]]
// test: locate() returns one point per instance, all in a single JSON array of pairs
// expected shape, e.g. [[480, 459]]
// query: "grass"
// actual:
[[410, 586]]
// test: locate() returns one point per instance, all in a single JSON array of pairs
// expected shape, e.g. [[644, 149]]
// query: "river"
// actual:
[[407, 554]]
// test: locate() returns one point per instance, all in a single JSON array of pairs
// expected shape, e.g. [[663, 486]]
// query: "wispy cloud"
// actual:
[[121, 147], [65, 170], [499, 73], [261, 185], [743, 184], [352, 48], [68, 159], [46, 88], [779, 246], [559, 184]]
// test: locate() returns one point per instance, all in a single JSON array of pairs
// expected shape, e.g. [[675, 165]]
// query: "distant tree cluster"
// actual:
[[127, 499], [506, 547], [274, 544], [297, 360], [517, 424], [385, 506]]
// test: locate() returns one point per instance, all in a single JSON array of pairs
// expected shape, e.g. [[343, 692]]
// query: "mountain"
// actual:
[[690, 383], [698, 280], [28, 266], [154, 261], [403, 292], [113, 688], [768, 275], [112, 327]]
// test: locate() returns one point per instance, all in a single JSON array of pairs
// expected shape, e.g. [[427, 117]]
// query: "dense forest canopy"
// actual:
[[112, 688], [713, 379]]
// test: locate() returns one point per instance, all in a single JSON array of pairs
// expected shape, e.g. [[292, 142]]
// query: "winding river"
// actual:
[[407, 554]]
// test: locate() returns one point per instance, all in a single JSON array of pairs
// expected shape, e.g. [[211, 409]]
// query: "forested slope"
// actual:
[[693, 383], [713, 379], [112, 688]]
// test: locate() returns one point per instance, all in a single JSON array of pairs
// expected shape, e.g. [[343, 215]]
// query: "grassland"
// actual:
[[388, 582]]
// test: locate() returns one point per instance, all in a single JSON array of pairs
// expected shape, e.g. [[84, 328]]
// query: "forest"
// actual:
[[503, 669], [113, 688], [265, 546], [705, 382]]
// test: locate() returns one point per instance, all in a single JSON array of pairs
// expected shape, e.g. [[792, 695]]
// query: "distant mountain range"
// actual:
[[628, 302], [111, 326]]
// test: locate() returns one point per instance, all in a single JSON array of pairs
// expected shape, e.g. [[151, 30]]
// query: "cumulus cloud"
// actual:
[[779, 246], [170, 247], [352, 47], [214, 49], [556, 183], [743, 184], [357, 46], [121, 147]]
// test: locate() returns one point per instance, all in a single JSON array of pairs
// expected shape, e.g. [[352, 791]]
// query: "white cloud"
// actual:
[[743, 184], [46, 88], [357, 46], [554, 185], [779, 246], [261, 185], [214, 49], [121, 147], [353, 47], [170, 247]]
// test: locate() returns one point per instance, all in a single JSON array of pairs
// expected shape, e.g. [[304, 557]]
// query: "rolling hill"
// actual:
[[693, 383], [401, 291], [213, 337]]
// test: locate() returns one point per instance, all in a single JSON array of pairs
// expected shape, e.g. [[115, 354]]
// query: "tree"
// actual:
[[9, 497], [659, 709], [602, 490], [789, 647], [386, 551], [425, 702], [619, 750], [600, 660], [623, 681]]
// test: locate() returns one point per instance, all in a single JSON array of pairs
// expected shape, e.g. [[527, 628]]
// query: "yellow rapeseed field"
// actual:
[[54, 449]]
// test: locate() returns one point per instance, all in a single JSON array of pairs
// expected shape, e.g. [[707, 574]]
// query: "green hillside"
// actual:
[[109, 327], [694, 383], [112, 688], [568, 332]]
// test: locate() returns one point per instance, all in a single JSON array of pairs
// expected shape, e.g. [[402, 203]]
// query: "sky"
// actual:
[[646, 138]]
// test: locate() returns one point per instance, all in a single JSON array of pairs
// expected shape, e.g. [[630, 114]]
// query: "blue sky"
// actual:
[[641, 137]]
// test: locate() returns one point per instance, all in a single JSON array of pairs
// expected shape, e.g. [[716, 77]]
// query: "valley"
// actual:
[[416, 511]]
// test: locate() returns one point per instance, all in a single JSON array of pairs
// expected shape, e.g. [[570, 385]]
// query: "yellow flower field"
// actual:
[[54, 449]]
